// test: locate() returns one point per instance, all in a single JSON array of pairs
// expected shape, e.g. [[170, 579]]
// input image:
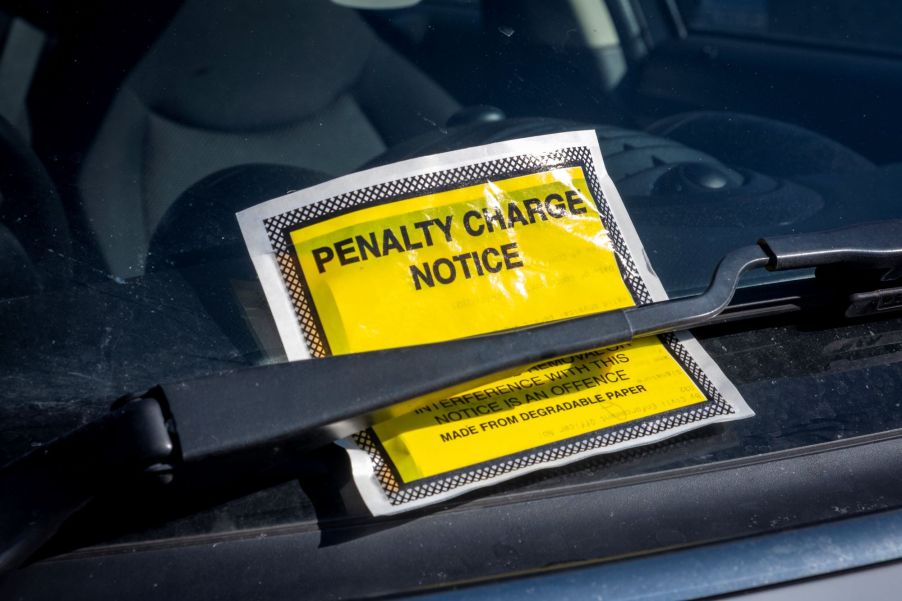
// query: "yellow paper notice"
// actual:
[[468, 261], [465, 243], [545, 404], [478, 259]]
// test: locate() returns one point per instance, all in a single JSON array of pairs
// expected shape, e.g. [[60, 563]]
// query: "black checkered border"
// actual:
[[279, 227]]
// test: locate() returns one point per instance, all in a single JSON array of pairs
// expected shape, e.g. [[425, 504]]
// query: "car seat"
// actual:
[[35, 249], [245, 81]]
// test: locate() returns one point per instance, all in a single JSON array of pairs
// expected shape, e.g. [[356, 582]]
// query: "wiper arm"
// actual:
[[226, 426]]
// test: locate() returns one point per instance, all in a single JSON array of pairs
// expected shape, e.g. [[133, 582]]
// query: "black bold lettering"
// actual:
[[495, 216], [445, 226], [443, 262], [485, 260], [322, 256], [462, 260], [424, 226], [424, 276], [345, 250], [408, 245], [574, 200], [390, 242], [515, 215], [476, 263], [468, 216], [368, 246], [534, 207], [558, 208], [511, 255]]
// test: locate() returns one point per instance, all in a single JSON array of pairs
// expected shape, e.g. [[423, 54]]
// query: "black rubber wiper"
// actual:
[[230, 426]]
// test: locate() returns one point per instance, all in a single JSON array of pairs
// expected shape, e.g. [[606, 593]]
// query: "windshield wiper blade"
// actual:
[[227, 426]]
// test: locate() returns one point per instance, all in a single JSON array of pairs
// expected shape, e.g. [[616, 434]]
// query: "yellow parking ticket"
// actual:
[[459, 262], [467, 243]]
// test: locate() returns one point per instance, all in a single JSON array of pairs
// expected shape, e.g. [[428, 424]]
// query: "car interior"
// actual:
[[126, 126]]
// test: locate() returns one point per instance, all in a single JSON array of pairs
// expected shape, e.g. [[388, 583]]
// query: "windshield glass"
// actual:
[[133, 133]]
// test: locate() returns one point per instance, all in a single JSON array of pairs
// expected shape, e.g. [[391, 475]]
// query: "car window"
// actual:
[[133, 133], [865, 25]]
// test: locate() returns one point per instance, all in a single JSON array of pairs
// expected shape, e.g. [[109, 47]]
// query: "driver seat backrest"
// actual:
[[303, 84], [35, 248]]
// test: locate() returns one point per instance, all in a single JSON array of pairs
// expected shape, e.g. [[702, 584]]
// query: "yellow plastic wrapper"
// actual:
[[468, 243]]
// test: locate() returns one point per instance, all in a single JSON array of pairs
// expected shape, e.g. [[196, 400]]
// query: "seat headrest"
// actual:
[[244, 65]]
